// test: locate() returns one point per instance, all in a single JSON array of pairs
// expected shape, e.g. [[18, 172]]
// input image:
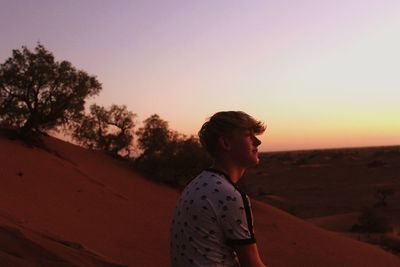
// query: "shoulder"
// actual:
[[215, 187]]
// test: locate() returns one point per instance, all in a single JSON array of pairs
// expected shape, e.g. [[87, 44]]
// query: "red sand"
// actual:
[[75, 207], [336, 223]]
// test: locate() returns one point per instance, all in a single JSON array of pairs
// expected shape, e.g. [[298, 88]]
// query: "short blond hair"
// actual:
[[222, 124]]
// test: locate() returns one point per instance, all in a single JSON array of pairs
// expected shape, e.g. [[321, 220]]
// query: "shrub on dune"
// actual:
[[371, 221]]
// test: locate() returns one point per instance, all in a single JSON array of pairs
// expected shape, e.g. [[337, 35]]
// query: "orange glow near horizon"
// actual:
[[318, 73]]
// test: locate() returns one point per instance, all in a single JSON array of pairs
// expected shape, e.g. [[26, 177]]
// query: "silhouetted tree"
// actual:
[[381, 194], [154, 136], [104, 129], [168, 156], [372, 221], [185, 158], [38, 93]]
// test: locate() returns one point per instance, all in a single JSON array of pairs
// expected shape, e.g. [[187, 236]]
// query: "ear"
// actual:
[[224, 143]]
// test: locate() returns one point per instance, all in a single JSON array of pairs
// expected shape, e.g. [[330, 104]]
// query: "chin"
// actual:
[[257, 162], [254, 161], [250, 160]]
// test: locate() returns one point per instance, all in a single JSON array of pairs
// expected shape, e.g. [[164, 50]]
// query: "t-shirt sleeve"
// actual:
[[237, 219]]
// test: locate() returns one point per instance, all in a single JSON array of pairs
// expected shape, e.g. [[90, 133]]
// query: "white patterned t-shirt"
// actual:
[[211, 216]]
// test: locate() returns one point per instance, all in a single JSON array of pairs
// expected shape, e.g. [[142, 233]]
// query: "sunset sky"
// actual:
[[319, 73]]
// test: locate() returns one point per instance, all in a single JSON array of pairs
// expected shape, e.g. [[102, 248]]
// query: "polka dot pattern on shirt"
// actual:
[[211, 215]]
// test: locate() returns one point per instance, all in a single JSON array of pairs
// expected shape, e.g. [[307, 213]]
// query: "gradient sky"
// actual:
[[319, 73]]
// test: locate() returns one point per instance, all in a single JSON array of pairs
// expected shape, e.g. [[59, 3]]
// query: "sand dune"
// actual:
[[337, 223], [289, 241], [74, 207], [20, 246]]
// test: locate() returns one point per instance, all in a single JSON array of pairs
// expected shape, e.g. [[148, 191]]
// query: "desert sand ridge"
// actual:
[[75, 207]]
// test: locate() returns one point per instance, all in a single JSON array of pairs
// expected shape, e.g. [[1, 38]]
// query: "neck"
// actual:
[[235, 172]]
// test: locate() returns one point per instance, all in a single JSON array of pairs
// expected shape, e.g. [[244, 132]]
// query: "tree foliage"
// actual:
[[168, 156], [38, 93], [154, 136], [372, 221], [381, 194], [185, 158], [104, 129]]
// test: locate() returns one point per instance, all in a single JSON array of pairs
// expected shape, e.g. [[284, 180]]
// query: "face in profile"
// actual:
[[244, 147]]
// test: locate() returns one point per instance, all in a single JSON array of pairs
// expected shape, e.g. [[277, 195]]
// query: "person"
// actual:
[[212, 224]]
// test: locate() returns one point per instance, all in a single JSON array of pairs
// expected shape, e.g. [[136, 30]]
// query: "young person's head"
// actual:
[[232, 135]]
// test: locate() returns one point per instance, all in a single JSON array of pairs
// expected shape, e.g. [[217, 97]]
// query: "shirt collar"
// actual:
[[211, 169]]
